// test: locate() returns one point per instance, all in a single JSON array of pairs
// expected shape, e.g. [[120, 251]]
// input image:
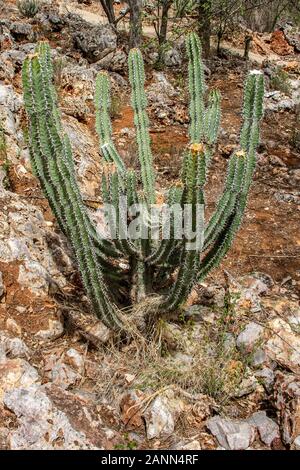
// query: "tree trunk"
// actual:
[[248, 40], [108, 8], [166, 5], [163, 30], [135, 23], [204, 26], [219, 36]]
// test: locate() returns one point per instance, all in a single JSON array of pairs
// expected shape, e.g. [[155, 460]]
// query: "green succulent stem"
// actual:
[[121, 269]]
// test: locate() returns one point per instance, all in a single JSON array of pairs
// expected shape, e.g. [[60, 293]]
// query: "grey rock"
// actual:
[[294, 321], [100, 333], [233, 138], [162, 115], [20, 309], [6, 39], [292, 36], [4, 434], [29, 48], [248, 385], [63, 376], [268, 71], [260, 282], [7, 69], [34, 274], [55, 330], [13, 327], [2, 354], [89, 327], [21, 30], [15, 56], [75, 359], [283, 346], [115, 61], [26, 237], [76, 107], [161, 92], [173, 58], [85, 154], [207, 70], [162, 414], [10, 104], [16, 373], [42, 426], [50, 19], [249, 337], [128, 132], [267, 428], [152, 57], [287, 197], [295, 177], [259, 358], [248, 290], [279, 102], [187, 445], [266, 376], [2, 180], [296, 443], [212, 296], [14, 347], [95, 42], [200, 313], [80, 78], [276, 161], [287, 403], [159, 419], [119, 83], [231, 434], [295, 84]]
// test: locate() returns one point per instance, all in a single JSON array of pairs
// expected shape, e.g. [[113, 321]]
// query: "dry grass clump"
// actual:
[[193, 358]]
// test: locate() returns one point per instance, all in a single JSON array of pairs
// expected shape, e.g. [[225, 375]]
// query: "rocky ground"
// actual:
[[227, 374]]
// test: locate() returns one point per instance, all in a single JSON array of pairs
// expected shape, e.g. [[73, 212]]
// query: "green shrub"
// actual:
[[28, 8], [280, 81]]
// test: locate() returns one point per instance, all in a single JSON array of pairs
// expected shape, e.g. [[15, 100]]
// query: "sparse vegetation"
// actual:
[[187, 357], [28, 8], [4, 162], [295, 141], [280, 80], [116, 105], [58, 66]]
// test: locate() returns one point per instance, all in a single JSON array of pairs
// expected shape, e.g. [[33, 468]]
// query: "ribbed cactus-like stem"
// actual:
[[212, 118], [179, 262], [230, 213], [196, 88], [55, 170], [141, 121], [192, 197], [103, 122]]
